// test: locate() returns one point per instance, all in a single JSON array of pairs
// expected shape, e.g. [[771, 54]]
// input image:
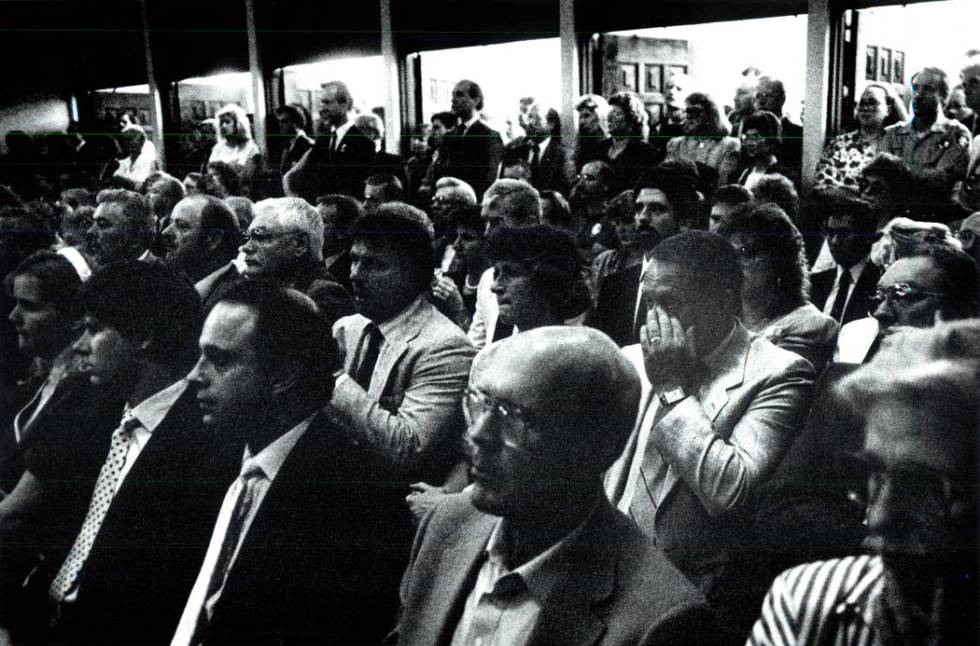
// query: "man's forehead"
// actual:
[[917, 270], [650, 195], [229, 326], [264, 221]]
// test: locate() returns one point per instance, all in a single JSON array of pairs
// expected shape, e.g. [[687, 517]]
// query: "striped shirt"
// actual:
[[825, 603]]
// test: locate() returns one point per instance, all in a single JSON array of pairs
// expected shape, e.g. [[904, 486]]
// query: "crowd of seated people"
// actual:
[[639, 388]]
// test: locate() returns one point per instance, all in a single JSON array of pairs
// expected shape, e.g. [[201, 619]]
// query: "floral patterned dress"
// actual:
[[843, 158]]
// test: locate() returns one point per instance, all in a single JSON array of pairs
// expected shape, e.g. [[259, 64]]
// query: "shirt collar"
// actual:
[[469, 122], [542, 143], [340, 131], [861, 600], [397, 322], [151, 411], [545, 571], [270, 459], [856, 269]]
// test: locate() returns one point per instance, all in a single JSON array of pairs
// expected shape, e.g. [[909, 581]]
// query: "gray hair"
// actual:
[[296, 213]]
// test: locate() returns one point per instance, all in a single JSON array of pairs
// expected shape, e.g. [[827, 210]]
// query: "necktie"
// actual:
[[843, 286], [105, 490], [371, 347], [332, 142], [535, 153], [240, 512]]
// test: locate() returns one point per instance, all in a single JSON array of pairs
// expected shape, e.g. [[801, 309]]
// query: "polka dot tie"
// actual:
[[105, 490]]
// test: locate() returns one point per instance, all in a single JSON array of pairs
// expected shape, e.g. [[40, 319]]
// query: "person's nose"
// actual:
[[82, 345], [196, 375], [883, 313]]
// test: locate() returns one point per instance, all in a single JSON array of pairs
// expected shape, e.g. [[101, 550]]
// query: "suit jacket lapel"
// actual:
[[567, 616], [396, 343], [730, 370]]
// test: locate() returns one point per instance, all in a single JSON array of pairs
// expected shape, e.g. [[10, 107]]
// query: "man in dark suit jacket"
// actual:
[[472, 149], [541, 150], [666, 204], [771, 97], [339, 161], [842, 292], [309, 542], [535, 538], [124, 572]]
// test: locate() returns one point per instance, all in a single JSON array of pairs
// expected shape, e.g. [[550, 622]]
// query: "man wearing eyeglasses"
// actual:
[[968, 234], [917, 581], [284, 244], [534, 554], [934, 283]]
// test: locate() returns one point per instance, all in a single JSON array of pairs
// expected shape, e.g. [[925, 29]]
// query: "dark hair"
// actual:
[[768, 229], [348, 209], [30, 234], [290, 333], [447, 119], [621, 207], [468, 217], [766, 123], [778, 90], [719, 126], [147, 302], [549, 255], [555, 210], [943, 79], [732, 194], [845, 203], [403, 229], [891, 168], [679, 182], [709, 263], [228, 177], [391, 186], [777, 189], [57, 280], [295, 113], [218, 216], [959, 276], [632, 109]]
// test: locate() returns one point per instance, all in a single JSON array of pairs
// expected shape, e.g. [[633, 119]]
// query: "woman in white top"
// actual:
[[235, 146]]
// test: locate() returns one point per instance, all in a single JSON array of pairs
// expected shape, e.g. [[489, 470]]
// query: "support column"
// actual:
[[389, 53], [156, 104], [258, 81], [817, 88], [570, 87]]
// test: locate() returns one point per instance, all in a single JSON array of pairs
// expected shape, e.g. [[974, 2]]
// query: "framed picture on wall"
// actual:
[[143, 116], [676, 69], [898, 67], [884, 64], [654, 78], [871, 63], [627, 76]]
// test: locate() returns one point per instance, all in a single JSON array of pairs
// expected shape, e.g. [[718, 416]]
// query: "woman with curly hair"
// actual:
[[846, 155], [776, 283], [235, 146], [706, 140], [626, 150]]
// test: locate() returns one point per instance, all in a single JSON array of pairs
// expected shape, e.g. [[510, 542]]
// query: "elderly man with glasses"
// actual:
[[284, 244], [533, 553], [931, 284]]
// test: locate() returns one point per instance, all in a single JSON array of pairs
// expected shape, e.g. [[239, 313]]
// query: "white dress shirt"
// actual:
[[268, 463], [150, 412]]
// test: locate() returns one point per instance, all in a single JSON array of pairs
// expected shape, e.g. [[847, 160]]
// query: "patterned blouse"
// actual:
[[843, 158]]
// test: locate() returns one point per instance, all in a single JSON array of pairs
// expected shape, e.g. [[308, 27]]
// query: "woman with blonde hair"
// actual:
[[235, 146]]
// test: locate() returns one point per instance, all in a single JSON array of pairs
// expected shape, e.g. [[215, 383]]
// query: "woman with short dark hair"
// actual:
[[776, 283]]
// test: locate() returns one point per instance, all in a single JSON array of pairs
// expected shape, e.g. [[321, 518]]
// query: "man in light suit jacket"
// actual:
[[405, 364], [721, 407], [535, 539]]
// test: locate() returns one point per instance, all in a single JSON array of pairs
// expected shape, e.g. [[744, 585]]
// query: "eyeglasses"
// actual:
[[516, 429], [901, 292], [919, 489]]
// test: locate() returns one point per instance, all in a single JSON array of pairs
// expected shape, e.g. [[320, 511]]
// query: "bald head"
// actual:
[[574, 379]]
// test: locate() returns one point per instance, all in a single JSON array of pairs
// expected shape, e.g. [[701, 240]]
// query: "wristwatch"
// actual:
[[671, 396]]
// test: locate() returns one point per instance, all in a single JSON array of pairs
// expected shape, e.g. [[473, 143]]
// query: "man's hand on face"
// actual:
[[668, 350]]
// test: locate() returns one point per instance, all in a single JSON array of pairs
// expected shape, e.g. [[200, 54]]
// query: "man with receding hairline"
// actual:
[[473, 149], [534, 553]]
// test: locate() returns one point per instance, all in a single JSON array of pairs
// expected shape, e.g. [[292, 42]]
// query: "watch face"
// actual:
[[672, 396]]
